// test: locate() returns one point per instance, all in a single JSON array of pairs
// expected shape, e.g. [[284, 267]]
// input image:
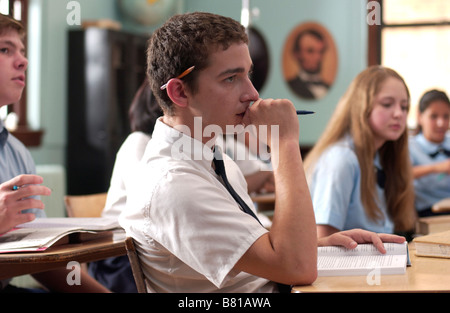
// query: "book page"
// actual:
[[362, 262], [338, 261], [29, 239], [86, 223], [364, 249], [41, 233], [361, 265]]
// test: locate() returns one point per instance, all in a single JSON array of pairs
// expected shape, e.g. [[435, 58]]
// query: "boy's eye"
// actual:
[[230, 79], [4, 50]]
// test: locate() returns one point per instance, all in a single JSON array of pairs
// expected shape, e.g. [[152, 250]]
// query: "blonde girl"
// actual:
[[359, 171]]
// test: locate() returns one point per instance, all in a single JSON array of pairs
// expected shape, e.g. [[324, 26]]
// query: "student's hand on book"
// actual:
[[351, 238], [15, 197]]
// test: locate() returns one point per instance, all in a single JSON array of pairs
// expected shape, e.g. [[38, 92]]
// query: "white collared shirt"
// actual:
[[128, 156], [188, 229]]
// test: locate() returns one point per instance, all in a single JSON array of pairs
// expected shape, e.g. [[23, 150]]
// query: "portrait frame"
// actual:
[[330, 59]]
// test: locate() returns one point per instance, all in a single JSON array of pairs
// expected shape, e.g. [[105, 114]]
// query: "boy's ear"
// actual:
[[176, 91]]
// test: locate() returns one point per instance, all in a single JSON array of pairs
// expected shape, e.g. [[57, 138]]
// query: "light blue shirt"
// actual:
[[335, 187], [15, 160], [431, 188]]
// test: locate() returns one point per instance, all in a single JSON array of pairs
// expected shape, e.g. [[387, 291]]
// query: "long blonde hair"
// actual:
[[352, 117]]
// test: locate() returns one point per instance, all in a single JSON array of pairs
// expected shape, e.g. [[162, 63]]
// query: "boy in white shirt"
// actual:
[[191, 234]]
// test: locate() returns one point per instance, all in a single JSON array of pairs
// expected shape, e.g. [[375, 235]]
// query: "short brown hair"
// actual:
[[187, 40], [7, 23]]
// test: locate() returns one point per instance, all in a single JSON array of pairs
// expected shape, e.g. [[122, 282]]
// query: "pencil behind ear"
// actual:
[[176, 92]]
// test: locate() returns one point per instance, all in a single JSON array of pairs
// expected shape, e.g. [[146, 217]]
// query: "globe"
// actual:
[[147, 12]]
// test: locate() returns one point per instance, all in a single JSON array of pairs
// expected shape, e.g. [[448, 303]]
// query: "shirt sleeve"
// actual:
[[333, 185], [214, 234]]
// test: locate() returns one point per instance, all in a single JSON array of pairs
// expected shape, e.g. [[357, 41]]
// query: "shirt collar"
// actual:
[[376, 160], [183, 146], [428, 146]]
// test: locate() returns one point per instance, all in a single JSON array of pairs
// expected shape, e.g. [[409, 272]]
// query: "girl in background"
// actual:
[[359, 172], [430, 151]]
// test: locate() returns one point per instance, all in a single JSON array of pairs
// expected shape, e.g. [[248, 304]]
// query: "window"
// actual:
[[18, 9], [414, 40]]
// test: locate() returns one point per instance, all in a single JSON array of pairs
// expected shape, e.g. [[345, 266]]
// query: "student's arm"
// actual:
[[435, 168], [288, 252]]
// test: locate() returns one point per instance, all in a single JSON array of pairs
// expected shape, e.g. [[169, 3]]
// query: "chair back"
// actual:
[[85, 205], [135, 265]]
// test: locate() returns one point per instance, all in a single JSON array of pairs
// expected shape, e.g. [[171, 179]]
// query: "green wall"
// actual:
[[49, 85], [344, 19]]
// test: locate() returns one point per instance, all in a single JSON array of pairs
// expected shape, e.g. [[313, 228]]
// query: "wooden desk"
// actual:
[[425, 275], [265, 201], [16, 264]]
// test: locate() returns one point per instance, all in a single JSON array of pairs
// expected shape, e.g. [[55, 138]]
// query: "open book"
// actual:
[[42, 233], [363, 260]]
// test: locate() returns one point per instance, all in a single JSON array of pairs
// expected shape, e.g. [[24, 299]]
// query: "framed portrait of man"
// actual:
[[310, 61]]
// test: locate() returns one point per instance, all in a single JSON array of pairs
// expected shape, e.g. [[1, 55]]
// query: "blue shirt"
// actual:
[[431, 188], [335, 187], [15, 160]]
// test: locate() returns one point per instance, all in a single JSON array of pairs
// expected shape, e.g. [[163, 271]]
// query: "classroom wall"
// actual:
[[344, 19], [47, 100]]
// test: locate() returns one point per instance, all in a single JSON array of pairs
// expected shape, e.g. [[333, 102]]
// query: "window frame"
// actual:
[[20, 108], [375, 34]]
